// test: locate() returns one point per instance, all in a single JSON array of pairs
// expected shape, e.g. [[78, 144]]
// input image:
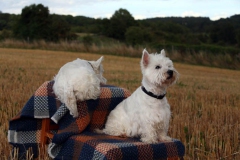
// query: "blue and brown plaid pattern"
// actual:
[[75, 138], [90, 146], [92, 114]]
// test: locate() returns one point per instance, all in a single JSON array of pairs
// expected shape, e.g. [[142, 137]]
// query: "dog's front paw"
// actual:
[[74, 114], [149, 140], [164, 139], [99, 131]]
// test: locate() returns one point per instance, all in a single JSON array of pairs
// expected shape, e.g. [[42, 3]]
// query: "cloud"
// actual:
[[139, 16], [191, 14], [219, 16]]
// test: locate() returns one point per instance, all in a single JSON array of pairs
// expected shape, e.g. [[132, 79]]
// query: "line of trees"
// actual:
[[35, 23]]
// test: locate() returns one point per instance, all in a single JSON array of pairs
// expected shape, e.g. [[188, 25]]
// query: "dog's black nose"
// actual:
[[170, 74]]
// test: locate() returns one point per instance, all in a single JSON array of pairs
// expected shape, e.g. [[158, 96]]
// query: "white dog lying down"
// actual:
[[78, 80]]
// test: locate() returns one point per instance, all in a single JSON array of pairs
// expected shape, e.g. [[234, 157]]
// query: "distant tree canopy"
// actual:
[[118, 24], [223, 32], [33, 23], [60, 29], [36, 23], [7, 21], [137, 36]]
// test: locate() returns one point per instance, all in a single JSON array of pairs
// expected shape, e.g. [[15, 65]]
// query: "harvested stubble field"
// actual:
[[205, 102]]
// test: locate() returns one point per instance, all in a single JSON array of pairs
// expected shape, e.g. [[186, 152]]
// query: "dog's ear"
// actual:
[[99, 61], [96, 64], [145, 58], [163, 52]]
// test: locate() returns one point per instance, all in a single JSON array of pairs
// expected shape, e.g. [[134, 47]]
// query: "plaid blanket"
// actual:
[[75, 138], [92, 114], [91, 146], [25, 128]]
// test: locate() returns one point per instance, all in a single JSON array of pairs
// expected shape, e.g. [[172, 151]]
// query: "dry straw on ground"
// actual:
[[205, 102]]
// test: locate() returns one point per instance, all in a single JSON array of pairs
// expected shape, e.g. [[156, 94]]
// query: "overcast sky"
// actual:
[[140, 9]]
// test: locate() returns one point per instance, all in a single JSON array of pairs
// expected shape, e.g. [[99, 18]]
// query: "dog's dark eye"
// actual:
[[157, 67]]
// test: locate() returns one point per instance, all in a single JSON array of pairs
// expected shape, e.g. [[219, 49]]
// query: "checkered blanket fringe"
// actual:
[[75, 138]]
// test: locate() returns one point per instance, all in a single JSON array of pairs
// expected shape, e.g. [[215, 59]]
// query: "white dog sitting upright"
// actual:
[[146, 113], [78, 80]]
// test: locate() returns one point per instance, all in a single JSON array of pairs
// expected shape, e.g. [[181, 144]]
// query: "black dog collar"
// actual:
[[152, 95]]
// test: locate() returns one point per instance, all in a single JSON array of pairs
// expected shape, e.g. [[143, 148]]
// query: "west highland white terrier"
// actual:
[[78, 80], [146, 113]]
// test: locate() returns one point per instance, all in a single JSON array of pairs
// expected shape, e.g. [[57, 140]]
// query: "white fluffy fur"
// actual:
[[141, 115], [78, 80]]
